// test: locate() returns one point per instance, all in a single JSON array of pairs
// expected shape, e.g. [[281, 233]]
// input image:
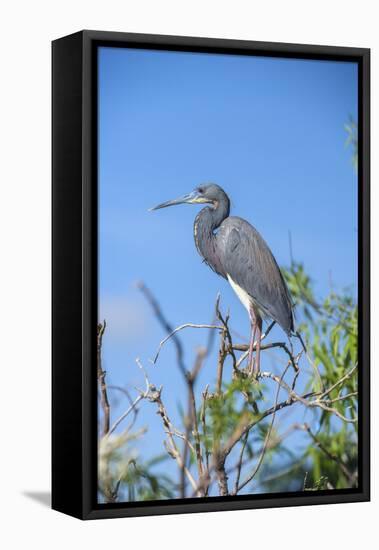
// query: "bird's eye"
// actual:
[[200, 190]]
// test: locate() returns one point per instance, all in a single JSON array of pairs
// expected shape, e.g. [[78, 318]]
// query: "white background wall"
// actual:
[[27, 27]]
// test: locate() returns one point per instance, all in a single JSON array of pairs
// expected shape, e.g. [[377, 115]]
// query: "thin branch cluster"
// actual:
[[208, 457]]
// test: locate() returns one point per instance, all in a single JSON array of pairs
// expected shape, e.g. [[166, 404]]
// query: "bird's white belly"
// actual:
[[241, 293]]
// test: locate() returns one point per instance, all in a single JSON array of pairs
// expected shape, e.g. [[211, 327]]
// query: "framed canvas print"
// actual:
[[210, 274]]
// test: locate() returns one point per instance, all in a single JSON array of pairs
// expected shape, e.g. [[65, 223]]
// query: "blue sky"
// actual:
[[271, 132]]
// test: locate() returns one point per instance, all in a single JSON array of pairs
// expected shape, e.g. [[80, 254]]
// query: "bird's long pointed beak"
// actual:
[[185, 199]]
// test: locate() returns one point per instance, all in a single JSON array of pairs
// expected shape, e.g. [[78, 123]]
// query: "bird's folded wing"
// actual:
[[250, 263]]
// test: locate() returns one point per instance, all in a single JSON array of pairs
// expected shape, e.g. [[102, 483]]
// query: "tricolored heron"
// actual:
[[235, 250]]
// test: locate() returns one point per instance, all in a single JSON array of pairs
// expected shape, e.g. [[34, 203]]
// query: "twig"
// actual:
[[125, 414], [246, 436], [321, 405], [314, 403], [175, 331], [339, 382], [267, 438], [316, 370], [204, 424], [240, 462], [129, 398], [142, 395], [191, 377], [340, 398], [155, 397], [283, 472], [271, 445], [191, 421], [222, 354], [101, 379], [166, 325], [226, 333], [349, 476]]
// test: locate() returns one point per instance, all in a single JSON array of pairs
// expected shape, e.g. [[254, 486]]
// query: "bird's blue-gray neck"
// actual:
[[211, 217], [206, 222]]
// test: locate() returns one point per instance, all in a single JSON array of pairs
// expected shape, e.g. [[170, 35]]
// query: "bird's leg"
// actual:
[[251, 361], [257, 362]]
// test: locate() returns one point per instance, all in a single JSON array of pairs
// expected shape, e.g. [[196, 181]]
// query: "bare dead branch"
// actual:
[[321, 405], [104, 401], [172, 449], [240, 462], [314, 403], [142, 395], [267, 438], [175, 331], [340, 398], [165, 324], [228, 344], [222, 354], [193, 424], [222, 477], [190, 377], [125, 414], [130, 400], [204, 425]]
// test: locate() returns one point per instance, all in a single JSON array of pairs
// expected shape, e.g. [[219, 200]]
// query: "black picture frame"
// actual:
[[74, 272]]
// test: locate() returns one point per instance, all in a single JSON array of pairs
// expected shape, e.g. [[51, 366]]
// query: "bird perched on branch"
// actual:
[[235, 250]]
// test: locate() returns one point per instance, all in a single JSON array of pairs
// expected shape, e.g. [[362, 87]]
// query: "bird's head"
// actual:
[[208, 193]]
